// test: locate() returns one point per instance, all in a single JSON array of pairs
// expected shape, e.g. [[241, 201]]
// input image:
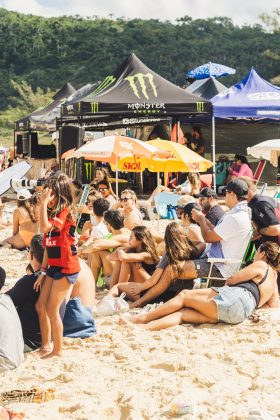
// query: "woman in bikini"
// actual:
[[136, 263], [25, 221], [253, 287]]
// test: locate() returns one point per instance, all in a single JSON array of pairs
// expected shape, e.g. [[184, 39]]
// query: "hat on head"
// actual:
[[238, 187], [23, 194], [206, 193]]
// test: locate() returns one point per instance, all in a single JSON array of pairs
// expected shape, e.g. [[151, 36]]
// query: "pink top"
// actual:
[[244, 170]]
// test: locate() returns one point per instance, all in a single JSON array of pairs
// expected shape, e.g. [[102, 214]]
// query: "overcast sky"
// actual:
[[240, 11]]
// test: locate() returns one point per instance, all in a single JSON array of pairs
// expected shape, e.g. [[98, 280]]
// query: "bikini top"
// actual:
[[253, 287]]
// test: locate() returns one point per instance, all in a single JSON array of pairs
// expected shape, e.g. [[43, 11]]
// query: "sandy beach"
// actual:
[[128, 373]]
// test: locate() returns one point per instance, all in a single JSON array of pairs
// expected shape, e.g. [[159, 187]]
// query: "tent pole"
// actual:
[[158, 202], [214, 152], [117, 177]]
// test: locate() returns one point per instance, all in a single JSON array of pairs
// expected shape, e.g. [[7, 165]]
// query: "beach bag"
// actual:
[[112, 305]]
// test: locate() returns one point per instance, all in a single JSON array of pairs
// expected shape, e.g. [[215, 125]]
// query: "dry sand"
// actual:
[[128, 373]]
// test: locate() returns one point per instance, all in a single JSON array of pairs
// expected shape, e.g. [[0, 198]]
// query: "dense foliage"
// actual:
[[47, 52]]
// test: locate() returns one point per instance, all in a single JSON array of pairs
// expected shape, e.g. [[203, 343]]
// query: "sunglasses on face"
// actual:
[[125, 199], [102, 189]]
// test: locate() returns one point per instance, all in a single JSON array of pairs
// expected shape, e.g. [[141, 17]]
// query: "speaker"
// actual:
[[25, 144], [70, 137], [19, 150]]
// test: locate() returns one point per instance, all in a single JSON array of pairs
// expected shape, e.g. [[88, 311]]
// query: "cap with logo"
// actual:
[[238, 187], [206, 193], [23, 194]]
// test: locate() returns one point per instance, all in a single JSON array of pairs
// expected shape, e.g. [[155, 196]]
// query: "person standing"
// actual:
[[197, 143]]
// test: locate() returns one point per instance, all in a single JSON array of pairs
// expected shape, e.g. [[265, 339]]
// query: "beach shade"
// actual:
[[269, 150], [210, 70], [112, 148]]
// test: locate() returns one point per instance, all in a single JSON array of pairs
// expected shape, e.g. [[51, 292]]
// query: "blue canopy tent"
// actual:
[[253, 97]]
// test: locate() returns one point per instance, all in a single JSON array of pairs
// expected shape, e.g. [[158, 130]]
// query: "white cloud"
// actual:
[[241, 11]]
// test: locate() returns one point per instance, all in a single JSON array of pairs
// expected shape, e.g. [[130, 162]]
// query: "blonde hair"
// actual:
[[272, 254], [132, 193], [30, 207]]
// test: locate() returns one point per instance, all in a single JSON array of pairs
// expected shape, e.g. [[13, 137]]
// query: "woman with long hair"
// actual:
[[25, 221], [251, 288], [192, 228], [135, 263], [178, 248], [194, 179], [101, 174]]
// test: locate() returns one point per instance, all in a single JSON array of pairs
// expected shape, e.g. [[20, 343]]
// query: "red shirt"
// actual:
[[61, 243]]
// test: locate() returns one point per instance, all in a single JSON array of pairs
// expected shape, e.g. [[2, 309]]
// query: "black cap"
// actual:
[[206, 193], [238, 187]]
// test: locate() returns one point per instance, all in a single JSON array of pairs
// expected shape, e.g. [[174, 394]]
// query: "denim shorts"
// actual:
[[56, 274], [234, 304]]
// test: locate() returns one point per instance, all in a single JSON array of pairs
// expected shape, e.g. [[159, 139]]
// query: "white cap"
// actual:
[[23, 194]]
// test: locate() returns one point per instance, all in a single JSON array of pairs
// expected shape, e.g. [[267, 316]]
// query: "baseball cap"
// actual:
[[206, 193], [238, 187], [23, 194]]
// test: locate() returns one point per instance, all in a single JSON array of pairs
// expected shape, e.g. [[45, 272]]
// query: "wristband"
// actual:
[[43, 273]]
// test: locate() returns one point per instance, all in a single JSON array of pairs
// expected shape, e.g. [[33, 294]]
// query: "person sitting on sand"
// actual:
[[25, 221], [11, 340], [127, 206], [97, 228], [251, 288], [98, 251], [193, 230], [105, 189], [229, 239], [135, 263], [178, 248]]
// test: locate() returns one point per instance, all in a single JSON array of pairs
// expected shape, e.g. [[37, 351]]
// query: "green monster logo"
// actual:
[[94, 107], [103, 85], [142, 78], [200, 106]]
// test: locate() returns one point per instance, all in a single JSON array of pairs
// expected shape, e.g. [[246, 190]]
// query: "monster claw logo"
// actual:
[[200, 106], [94, 107], [141, 78], [103, 85]]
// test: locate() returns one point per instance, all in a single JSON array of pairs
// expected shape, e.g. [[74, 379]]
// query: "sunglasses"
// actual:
[[102, 189], [125, 199]]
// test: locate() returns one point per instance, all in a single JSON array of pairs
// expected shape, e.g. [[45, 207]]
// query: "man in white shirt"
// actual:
[[228, 239], [11, 340]]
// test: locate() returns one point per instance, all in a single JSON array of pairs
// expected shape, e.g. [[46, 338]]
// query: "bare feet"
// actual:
[[43, 351], [137, 319], [52, 354]]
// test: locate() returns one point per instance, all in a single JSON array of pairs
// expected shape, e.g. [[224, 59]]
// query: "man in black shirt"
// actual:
[[25, 297], [210, 207], [266, 223]]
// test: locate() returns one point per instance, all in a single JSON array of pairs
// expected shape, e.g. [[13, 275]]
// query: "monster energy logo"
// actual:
[[200, 106], [103, 85], [142, 79], [94, 107]]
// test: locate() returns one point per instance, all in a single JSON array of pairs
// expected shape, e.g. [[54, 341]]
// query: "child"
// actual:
[[60, 267], [136, 263]]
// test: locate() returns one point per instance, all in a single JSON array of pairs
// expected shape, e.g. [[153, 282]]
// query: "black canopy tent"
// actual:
[[135, 90], [206, 88], [44, 119]]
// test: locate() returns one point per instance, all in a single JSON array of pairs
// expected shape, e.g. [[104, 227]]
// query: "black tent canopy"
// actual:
[[45, 118], [206, 88], [135, 90]]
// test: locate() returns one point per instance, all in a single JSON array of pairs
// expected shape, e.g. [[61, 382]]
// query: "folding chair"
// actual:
[[259, 171]]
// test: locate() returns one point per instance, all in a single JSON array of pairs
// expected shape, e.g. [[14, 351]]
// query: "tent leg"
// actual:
[[158, 202], [214, 152]]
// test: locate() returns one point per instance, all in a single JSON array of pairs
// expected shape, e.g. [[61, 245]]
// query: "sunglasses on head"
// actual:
[[125, 199]]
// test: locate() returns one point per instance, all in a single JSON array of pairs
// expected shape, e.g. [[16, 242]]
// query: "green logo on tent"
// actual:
[[94, 107], [145, 81], [200, 106], [103, 85]]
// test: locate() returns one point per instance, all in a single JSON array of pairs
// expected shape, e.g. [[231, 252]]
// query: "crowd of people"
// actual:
[[113, 247]]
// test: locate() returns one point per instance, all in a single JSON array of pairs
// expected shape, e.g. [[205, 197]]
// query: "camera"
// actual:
[[29, 184]]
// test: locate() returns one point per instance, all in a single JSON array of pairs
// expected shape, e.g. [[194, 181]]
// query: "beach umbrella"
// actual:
[[269, 150], [210, 70], [112, 148]]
